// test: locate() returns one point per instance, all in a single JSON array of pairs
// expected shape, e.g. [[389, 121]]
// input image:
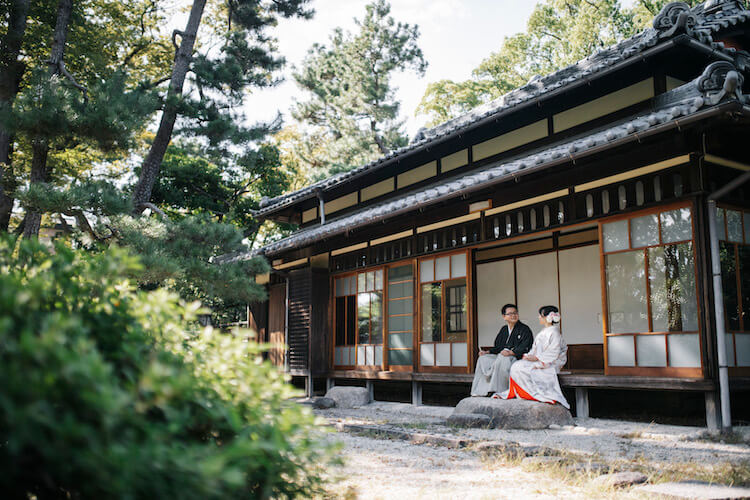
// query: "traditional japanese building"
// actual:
[[595, 188]]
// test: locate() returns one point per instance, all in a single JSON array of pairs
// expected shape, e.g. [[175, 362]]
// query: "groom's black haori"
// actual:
[[520, 340]]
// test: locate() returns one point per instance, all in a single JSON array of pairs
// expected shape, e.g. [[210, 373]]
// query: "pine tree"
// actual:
[[351, 104]]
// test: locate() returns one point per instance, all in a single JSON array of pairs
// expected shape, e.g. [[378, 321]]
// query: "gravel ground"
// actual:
[[376, 468], [608, 439]]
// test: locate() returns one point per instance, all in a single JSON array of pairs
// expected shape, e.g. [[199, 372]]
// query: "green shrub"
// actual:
[[104, 394]]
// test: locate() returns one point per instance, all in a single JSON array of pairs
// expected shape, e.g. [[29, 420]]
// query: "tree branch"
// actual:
[[153, 208], [174, 39], [73, 81]]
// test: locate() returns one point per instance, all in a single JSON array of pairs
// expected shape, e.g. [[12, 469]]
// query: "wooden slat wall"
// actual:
[[300, 296], [276, 319], [320, 341]]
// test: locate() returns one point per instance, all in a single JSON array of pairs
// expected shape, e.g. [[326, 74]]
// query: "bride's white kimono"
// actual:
[[538, 379]]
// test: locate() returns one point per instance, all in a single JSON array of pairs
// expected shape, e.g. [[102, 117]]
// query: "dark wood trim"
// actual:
[[583, 380], [650, 371]]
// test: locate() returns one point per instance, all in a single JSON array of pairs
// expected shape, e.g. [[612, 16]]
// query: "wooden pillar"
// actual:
[[309, 385], [370, 390], [713, 411], [416, 393], [582, 402]]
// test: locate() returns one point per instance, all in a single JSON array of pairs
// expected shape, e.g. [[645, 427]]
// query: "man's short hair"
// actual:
[[506, 306]]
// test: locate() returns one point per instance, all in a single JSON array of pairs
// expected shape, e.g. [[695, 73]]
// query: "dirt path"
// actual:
[[378, 467], [386, 469]]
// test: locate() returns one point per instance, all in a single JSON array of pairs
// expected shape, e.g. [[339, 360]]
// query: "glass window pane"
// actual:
[[455, 305], [684, 350], [676, 226], [361, 357], [744, 263], [442, 354], [376, 318], [431, 297], [401, 290], [652, 350], [351, 319], [615, 235], [620, 351], [734, 226], [427, 354], [370, 281], [399, 273], [400, 357], [339, 356], [361, 282], [379, 279], [674, 307], [721, 232], [400, 340], [363, 318], [626, 292], [400, 323], [340, 320], [370, 355], [729, 344], [378, 355], [400, 306], [341, 287], [458, 265], [460, 357], [426, 270], [442, 268], [644, 231], [742, 343], [729, 285]]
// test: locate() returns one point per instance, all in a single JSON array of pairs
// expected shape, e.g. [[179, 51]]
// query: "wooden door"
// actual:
[[277, 324]]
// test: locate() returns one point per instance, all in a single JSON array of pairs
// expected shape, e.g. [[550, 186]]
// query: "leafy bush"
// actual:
[[105, 395]]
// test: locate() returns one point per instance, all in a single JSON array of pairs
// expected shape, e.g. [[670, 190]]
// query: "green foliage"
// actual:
[[351, 105], [107, 395], [178, 253], [558, 33]]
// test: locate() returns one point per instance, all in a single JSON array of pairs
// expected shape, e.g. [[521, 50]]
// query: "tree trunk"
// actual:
[[11, 70], [40, 145], [183, 56]]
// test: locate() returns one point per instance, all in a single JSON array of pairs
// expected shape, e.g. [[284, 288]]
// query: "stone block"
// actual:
[[516, 413], [349, 397], [469, 420]]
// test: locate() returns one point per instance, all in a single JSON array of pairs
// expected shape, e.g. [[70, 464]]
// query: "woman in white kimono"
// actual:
[[535, 376]]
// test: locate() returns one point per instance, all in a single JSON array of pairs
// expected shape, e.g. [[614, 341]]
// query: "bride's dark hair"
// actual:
[[545, 310]]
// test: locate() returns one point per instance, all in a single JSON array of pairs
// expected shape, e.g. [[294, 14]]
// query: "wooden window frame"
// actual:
[[744, 328], [666, 371], [356, 344], [469, 316]]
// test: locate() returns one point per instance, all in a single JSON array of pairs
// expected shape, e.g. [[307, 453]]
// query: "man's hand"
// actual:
[[530, 357], [507, 352], [482, 353]]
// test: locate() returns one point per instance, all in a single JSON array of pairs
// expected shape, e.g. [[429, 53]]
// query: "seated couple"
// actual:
[[516, 367]]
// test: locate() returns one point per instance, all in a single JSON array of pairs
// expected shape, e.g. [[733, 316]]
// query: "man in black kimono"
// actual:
[[493, 366]]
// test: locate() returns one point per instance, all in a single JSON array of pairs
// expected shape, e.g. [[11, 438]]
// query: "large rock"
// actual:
[[349, 397], [516, 413], [469, 420], [622, 479]]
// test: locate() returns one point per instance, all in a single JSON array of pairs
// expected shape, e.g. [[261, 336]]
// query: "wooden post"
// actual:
[[309, 385], [582, 402], [416, 393], [370, 390], [713, 411]]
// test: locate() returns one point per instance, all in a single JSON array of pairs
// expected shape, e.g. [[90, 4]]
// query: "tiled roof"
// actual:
[[718, 83], [702, 22]]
